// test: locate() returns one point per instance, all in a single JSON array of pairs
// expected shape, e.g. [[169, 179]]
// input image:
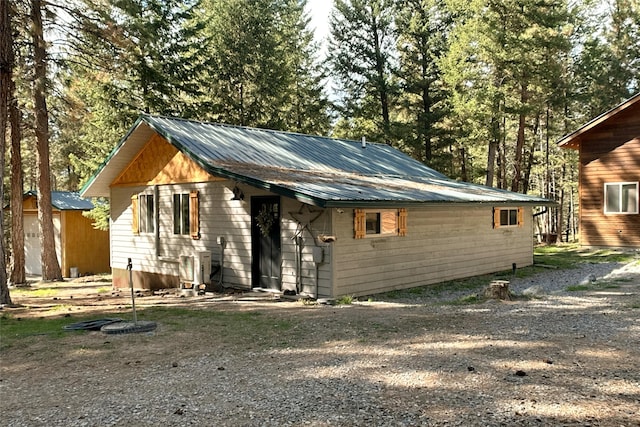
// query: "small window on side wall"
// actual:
[[380, 222], [621, 198], [508, 217]]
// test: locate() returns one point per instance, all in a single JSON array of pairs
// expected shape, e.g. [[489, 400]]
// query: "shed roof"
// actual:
[[318, 170], [66, 200], [574, 139]]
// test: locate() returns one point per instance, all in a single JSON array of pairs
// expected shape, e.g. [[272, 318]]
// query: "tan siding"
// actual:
[[609, 154], [296, 218], [442, 243], [83, 246], [219, 216]]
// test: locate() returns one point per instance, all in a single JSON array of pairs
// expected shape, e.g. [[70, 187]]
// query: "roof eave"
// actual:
[[92, 182], [573, 140], [418, 203]]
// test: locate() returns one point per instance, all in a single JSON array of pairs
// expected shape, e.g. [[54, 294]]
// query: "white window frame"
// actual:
[[144, 225], [497, 217], [183, 223], [382, 232], [619, 185]]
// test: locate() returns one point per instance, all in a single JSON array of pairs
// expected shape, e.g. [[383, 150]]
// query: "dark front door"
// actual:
[[265, 242]]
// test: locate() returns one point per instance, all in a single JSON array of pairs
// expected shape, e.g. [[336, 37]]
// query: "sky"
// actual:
[[319, 11]]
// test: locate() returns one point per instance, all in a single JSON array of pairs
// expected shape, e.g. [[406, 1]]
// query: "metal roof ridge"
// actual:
[[258, 129]]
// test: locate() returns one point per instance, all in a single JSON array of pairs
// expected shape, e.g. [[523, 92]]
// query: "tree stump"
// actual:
[[498, 289]]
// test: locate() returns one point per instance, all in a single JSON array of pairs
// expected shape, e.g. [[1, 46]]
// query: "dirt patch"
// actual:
[[252, 359]]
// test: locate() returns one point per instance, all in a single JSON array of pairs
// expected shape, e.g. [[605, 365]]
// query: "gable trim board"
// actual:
[[444, 226], [609, 153]]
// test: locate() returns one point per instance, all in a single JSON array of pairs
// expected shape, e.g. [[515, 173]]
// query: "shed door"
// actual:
[[265, 242], [32, 246], [32, 263]]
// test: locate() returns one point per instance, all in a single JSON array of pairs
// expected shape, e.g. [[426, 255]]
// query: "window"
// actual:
[[508, 217], [380, 222], [147, 213], [186, 214], [181, 214], [621, 198]]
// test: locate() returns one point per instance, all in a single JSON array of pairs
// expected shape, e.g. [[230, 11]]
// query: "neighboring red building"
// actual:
[[609, 176]]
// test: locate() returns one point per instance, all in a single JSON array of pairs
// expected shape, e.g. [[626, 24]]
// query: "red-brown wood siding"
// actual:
[[609, 153]]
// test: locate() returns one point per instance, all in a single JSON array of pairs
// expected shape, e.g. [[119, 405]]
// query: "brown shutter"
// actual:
[[135, 215], [359, 223], [496, 218], [194, 215], [402, 222], [520, 217]]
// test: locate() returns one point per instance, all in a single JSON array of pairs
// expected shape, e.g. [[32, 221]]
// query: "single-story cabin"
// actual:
[[81, 249], [259, 209], [609, 175]]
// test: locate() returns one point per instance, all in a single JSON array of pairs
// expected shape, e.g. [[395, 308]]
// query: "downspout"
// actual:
[[222, 243], [298, 240], [157, 220]]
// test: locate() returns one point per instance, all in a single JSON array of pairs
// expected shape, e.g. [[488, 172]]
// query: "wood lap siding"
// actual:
[[438, 247], [611, 153]]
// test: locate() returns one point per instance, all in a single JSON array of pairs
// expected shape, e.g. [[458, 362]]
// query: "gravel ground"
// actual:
[[558, 358]]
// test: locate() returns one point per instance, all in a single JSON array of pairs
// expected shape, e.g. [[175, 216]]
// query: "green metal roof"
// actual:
[[66, 200], [318, 170]]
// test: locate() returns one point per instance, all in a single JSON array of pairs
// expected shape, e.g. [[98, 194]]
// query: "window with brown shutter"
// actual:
[[379, 222], [194, 214], [402, 222], [359, 223], [508, 217], [135, 227], [520, 217]]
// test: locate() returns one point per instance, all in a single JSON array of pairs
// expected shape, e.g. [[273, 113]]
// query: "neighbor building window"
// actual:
[[380, 222], [508, 217], [621, 198]]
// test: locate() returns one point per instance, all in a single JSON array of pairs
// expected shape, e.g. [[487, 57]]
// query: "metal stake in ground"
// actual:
[[128, 327], [133, 296]]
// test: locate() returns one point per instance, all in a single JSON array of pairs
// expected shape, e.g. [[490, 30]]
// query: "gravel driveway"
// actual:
[[557, 359]]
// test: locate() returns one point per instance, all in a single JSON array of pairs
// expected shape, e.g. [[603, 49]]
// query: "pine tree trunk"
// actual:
[[18, 275], [519, 152], [383, 90], [6, 64], [50, 265], [491, 163]]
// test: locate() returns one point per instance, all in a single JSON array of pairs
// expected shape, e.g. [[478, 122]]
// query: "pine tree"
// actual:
[[504, 66], [261, 66], [6, 69], [361, 56], [422, 27], [50, 264]]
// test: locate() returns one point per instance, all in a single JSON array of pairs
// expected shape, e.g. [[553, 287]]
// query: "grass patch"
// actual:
[[467, 300], [35, 292], [223, 327], [13, 330], [345, 300], [567, 256]]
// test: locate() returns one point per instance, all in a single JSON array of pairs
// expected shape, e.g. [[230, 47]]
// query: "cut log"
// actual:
[[498, 289]]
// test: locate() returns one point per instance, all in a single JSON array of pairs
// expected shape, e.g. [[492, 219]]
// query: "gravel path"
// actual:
[[560, 359]]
